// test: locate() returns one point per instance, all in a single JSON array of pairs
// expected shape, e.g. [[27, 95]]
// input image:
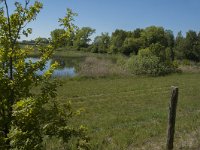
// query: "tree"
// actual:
[[179, 46], [117, 39], [170, 43], [61, 38], [28, 42], [42, 40], [192, 51], [137, 33], [152, 35], [57, 38], [188, 47], [26, 117], [101, 43], [82, 37], [131, 45], [155, 52]]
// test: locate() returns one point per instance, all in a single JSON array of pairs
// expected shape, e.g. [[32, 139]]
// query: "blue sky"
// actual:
[[108, 15]]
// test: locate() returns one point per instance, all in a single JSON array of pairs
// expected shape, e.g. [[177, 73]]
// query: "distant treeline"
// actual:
[[131, 42], [36, 41]]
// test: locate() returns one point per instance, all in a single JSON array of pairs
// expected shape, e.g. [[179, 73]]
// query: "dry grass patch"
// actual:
[[95, 67]]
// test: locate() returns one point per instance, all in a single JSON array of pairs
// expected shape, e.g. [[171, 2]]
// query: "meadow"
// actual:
[[118, 86], [131, 112]]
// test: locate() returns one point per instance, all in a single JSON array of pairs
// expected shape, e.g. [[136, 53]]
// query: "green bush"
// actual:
[[150, 65], [121, 60], [30, 125], [153, 60]]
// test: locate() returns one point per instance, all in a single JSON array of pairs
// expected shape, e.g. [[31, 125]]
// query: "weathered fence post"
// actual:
[[172, 118]]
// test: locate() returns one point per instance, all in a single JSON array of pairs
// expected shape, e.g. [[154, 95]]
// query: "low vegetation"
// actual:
[[115, 93], [131, 112], [152, 61], [96, 67]]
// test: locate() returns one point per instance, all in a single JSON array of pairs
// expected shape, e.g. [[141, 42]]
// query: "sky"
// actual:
[[109, 15]]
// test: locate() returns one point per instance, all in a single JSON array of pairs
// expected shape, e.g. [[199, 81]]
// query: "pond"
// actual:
[[68, 66]]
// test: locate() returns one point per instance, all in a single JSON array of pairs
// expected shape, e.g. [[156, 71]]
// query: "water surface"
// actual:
[[67, 66]]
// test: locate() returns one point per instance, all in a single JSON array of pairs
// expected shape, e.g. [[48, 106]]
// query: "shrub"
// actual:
[[153, 60], [121, 60], [150, 65]]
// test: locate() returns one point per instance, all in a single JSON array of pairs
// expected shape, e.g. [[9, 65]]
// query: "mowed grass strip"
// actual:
[[131, 112]]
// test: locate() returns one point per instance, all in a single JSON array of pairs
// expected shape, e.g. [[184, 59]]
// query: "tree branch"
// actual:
[[8, 20], [20, 24]]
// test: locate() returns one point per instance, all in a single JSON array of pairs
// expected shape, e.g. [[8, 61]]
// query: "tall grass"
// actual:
[[189, 66], [96, 67]]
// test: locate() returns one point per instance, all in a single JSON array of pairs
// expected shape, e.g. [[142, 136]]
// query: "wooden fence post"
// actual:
[[172, 118]]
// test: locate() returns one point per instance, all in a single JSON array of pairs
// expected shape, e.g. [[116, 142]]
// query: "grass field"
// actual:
[[131, 112]]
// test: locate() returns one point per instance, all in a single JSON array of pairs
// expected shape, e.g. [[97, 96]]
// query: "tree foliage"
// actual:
[[82, 37], [152, 35], [101, 43], [27, 117], [58, 39], [188, 47], [131, 42], [117, 40], [151, 61], [192, 46], [64, 37]]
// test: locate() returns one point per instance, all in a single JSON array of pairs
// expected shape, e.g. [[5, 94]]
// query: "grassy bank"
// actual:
[[131, 112], [62, 52]]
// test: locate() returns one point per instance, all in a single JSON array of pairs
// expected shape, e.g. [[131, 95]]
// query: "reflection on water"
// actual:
[[67, 66]]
